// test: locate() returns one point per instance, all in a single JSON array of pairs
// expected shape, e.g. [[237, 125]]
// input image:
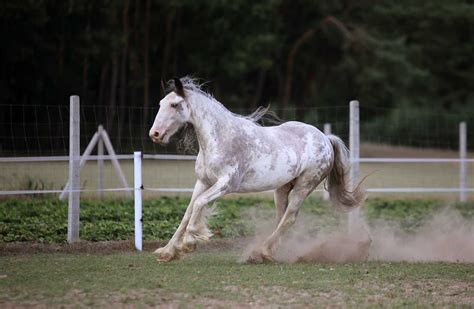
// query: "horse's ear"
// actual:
[[163, 88], [179, 89]]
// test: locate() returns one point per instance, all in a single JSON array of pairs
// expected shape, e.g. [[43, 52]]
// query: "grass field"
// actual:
[[214, 278], [38, 269]]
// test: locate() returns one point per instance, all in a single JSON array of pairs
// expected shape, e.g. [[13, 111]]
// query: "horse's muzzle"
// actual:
[[157, 138]]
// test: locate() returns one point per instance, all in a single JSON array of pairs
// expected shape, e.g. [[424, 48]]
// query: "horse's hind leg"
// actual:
[[281, 200], [303, 187]]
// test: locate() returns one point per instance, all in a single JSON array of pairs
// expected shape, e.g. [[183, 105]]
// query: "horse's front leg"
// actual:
[[173, 249], [197, 230]]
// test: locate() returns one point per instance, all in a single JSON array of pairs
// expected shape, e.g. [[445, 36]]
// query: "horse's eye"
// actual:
[[174, 105]]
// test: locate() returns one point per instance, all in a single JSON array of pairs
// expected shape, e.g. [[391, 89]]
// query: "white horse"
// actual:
[[237, 155]]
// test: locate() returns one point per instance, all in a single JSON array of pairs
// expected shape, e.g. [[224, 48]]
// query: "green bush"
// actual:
[[45, 221]]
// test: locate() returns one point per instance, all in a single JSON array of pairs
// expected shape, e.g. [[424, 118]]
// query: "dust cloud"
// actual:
[[446, 236]]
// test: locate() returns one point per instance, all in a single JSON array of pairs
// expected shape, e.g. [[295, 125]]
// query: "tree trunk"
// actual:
[[86, 60], [176, 38], [102, 88], [146, 63], [308, 34], [123, 68], [60, 80], [113, 92], [307, 96], [258, 92], [168, 43], [85, 66], [85, 76], [135, 66]]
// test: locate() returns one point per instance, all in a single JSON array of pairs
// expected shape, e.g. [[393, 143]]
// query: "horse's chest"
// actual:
[[205, 171]]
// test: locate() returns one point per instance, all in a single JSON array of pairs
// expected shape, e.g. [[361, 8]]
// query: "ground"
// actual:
[[110, 274]]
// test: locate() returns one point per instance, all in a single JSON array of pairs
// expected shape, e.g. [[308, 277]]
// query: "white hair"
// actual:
[[192, 86]]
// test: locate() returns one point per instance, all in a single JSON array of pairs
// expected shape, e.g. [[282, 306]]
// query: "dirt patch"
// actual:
[[141, 298], [104, 247], [446, 236], [337, 248], [423, 292], [433, 292]]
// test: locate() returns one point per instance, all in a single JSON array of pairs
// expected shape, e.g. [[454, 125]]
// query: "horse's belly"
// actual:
[[262, 177], [259, 184]]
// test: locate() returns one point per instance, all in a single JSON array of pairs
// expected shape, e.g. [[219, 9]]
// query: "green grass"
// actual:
[[215, 278]]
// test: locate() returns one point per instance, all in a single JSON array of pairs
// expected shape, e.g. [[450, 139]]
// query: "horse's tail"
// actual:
[[340, 194]]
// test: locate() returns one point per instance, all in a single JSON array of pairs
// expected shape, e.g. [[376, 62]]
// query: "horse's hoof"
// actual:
[[267, 255], [266, 258], [159, 251], [188, 247], [165, 257], [255, 258]]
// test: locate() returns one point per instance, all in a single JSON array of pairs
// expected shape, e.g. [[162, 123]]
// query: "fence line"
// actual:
[[75, 159], [102, 139], [191, 158], [128, 127], [64, 158]]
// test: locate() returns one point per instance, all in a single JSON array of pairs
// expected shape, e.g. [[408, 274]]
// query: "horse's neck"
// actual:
[[210, 121]]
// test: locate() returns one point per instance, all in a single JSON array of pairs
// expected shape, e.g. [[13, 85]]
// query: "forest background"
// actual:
[[406, 61]]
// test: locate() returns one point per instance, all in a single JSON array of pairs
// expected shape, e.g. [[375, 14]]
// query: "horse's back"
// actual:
[[300, 136]]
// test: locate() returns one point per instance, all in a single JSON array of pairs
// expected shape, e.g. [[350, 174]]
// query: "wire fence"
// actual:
[[43, 130], [34, 148]]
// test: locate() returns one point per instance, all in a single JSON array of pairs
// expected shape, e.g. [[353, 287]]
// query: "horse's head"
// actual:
[[174, 112]]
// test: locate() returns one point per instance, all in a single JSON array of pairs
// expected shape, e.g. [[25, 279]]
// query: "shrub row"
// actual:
[[45, 220]]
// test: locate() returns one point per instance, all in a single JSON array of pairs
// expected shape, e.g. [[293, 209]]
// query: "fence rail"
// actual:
[[192, 158]]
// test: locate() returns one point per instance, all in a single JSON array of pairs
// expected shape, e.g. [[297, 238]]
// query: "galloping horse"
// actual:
[[237, 155]]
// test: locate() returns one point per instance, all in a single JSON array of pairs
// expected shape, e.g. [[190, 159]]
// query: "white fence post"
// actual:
[[462, 163], [74, 170], [327, 131], [137, 163], [100, 163], [82, 161], [354, 148]]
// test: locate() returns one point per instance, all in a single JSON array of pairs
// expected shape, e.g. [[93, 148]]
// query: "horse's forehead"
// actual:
[[171, 97]]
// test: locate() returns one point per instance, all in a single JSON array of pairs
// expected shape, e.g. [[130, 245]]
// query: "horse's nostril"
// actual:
[[156, 134]]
